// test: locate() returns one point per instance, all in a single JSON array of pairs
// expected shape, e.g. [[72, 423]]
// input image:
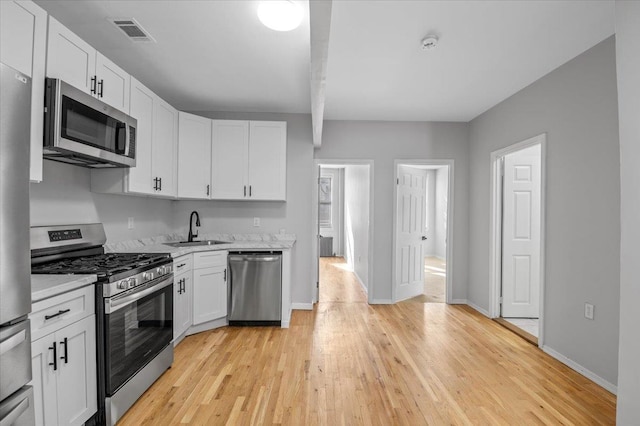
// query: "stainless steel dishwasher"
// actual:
[[255, 288]]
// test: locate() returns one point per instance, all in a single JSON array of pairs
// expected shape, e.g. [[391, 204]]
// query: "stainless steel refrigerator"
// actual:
[[16, 399]]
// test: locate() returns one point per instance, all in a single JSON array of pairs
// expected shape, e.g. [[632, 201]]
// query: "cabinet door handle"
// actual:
[[160, 180], [55, 356], [184, 285], [207, 190], [94, 79], [155, 183], [225, 275], [245, 190], [63, 311], [65, 357], [249, 190], [101, 85]]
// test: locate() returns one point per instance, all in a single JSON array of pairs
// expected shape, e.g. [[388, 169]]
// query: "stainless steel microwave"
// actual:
[[82, 130]]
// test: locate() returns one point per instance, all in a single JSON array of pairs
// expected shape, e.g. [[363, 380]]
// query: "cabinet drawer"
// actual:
[[182, 264], [52, 314], [207, 259]]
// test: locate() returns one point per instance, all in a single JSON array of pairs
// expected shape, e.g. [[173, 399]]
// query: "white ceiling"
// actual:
[[216, 56]]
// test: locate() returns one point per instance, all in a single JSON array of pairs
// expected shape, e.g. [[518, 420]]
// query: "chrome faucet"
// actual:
[[191, 234]]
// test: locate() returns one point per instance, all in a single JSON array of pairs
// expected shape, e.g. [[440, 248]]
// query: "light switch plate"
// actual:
[[256, 222], [589, 311], [130, 223]]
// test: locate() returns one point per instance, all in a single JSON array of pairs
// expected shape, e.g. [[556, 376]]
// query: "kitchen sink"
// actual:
[[196, 243]]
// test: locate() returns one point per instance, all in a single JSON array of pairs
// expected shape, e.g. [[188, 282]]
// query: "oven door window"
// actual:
[[135, 334], [85, 125]]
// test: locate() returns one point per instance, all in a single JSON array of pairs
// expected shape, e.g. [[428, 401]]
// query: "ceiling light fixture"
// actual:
[[429, 42], [280, 15]]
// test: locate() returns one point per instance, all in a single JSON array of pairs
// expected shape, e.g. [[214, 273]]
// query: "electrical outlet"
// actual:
[[130, 224], [256, 222], [588, 311]]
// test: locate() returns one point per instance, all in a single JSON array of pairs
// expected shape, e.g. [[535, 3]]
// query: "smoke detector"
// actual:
[[429, 42], [132, 29]]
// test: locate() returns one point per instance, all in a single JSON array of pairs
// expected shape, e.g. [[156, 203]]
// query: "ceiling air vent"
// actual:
[[133, 30]]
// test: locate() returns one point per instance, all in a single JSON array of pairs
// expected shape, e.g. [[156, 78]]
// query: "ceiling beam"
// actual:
[[320, 23]]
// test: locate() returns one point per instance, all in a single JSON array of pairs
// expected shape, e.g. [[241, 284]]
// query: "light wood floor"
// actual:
[[349, 363]]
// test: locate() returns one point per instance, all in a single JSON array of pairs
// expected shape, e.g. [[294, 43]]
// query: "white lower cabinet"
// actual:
[[183, 297], [64, 374], [209, 286]]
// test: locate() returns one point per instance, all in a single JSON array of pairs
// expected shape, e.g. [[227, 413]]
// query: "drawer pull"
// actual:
[[64, 311], [180, 265]]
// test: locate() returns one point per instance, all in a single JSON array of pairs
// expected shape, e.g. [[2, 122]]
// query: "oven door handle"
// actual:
[[115, 304]]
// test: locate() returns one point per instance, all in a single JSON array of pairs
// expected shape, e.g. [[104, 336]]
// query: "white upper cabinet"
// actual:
[[70, 58], [112, 83], [156, 149], [74, 61], [141, 108], [249, 160], [230, 150], [165, 148], [194, 156], [268, 160], [23, 43]]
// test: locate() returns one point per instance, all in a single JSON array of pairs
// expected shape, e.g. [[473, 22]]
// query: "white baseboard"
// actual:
[[364, 287], [479, 309], [302, 306], [382, 302], [458, 302], [580, 369]]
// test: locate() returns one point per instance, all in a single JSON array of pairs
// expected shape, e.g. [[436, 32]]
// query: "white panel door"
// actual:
[[112, 84], [268, 160], [229, 152], [140, 179], [521, 234], [70, 58], [411, 209], [77, 382], [209, 294], [44, 381], [194, 156], [164, 148]]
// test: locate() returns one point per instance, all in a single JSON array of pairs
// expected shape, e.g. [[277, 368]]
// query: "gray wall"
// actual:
[[294, 216], [383, 142], [64, 197], [356, 218], [628, 66], [576, 105], [442, 188]]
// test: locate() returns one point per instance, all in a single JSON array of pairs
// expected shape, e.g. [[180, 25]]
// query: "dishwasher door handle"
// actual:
[[254, 258]]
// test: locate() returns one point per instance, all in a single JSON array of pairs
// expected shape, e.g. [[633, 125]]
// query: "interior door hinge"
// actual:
[[500, 300], [317, 284], [397, 181]]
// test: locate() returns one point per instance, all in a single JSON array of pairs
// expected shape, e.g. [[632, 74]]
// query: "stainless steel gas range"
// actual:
[[134, 309]]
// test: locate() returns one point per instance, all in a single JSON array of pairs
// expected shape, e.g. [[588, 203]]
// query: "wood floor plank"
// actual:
[[349, 363]]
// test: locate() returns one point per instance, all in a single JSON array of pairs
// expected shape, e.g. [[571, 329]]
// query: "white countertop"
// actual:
[[44, 286], [235, 242]]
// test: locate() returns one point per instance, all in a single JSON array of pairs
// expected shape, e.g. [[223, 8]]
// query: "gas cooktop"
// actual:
[[103, 265]]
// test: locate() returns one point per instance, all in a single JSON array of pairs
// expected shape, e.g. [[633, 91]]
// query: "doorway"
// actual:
[[344, 218], [422, 231], [518, 238]]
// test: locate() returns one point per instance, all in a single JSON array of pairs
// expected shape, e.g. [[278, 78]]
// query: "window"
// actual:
[[324, 206]]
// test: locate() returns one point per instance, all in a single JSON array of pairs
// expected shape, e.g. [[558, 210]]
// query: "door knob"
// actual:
[[424, 238]]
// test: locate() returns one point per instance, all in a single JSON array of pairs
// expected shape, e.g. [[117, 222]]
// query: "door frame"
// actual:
[[495, 227], [315, 226], [450, 221]]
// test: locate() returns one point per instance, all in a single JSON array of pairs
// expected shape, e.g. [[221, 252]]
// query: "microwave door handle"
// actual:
[[119, 128]]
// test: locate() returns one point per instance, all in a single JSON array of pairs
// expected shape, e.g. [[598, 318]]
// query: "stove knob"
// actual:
[[147, 276], [122, 285], [132, 282]]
